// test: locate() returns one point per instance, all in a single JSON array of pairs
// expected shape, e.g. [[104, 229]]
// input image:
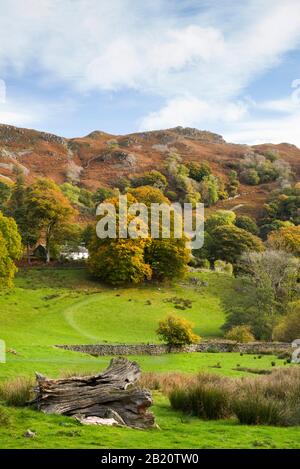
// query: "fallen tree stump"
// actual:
[[111, 394]]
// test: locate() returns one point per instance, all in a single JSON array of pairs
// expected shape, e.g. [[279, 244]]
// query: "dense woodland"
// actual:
[[263, 253]]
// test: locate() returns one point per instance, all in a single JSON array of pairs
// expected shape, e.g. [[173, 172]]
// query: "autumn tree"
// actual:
[[118, 260], [50, 209], [123, 260], [167, 257], [10, 249], [286, 239], [149, 195]]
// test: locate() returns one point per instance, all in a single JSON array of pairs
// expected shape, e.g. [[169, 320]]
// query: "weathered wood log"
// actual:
[[110, 394]]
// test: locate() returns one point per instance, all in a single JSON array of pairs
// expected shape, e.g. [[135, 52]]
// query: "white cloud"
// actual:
[[17, 117], [128, 43], [272, 130], [152, 62], [191, 111]]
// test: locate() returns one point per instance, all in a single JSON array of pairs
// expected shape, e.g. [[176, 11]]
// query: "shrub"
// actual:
[[166, 382], [208, 398], [254, 409], [172, 196], [268, 399], [176, 331], [224, 267], [250, 176], [151, 178], [241, 334], [103, 193], [233, 184], [288, 328], [198, 171], [149, 195], [17, 392], [220, 218], [247, 223], [205, 264], [209, 188]]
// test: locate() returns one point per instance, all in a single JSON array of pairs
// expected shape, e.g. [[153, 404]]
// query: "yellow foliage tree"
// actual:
[[286, 239]]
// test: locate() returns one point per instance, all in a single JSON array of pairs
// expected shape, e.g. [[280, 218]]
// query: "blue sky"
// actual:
[[74, 66]]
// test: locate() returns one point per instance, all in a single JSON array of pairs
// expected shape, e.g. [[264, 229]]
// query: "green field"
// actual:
[[49, 307], [63, 306]]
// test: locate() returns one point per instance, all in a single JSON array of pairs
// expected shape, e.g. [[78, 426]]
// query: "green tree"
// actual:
[[103, 193], [232, 184], [86, 198], [247, 223], [283, 205], [10, 250], [122, 183], [71, 192], [152, 178], [220, 218], [5, 193], [168, 258], [198, 171], [269, 284], [18, 208], [229, 242], [265, 229], [209, 190], [288, 328]]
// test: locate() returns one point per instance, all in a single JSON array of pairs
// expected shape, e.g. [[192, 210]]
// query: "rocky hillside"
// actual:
[[102, 158]]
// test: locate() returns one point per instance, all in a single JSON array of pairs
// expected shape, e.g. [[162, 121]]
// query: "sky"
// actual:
[[74, 66]]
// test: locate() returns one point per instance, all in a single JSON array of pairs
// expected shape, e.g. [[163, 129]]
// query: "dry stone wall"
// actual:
[[160, 349]]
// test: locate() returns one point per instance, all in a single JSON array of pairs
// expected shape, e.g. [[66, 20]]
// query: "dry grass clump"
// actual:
[[208, 397], [272, 399], [165, 382], [17, 392]]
